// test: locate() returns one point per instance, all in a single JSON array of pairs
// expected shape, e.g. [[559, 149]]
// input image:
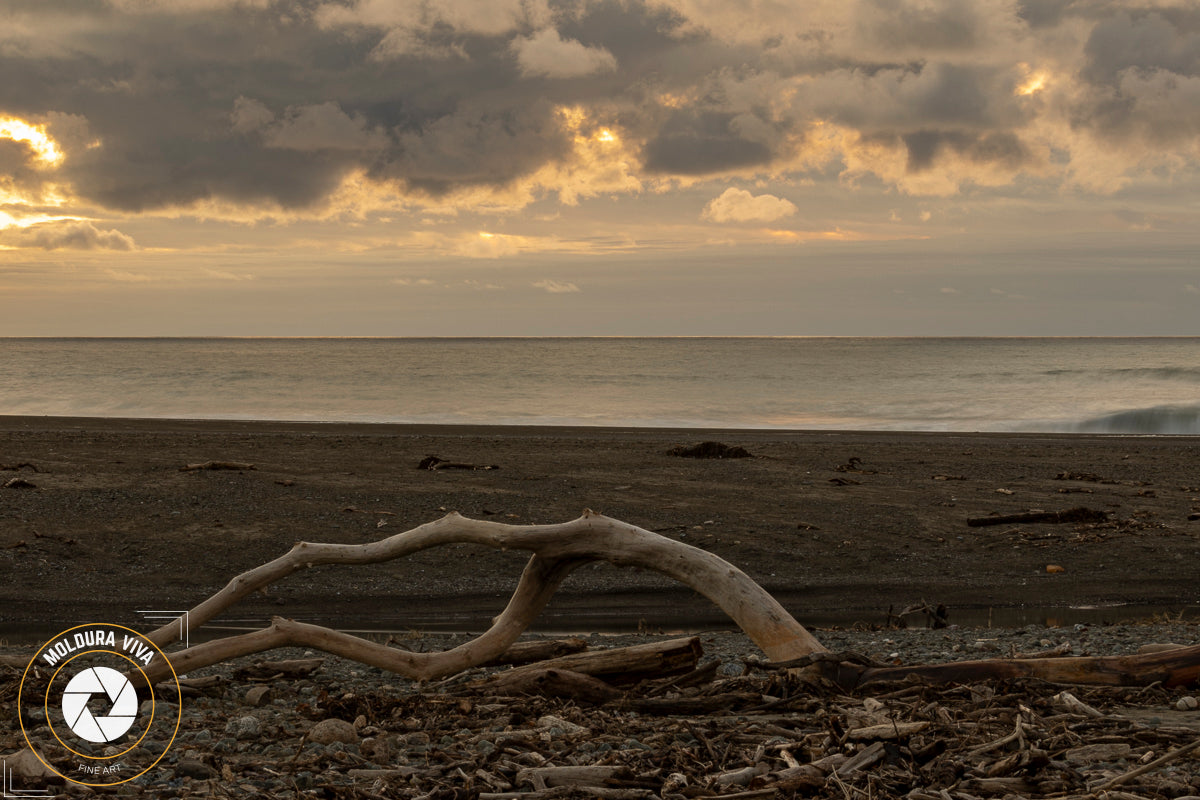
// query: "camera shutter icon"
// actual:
[[120, 692]]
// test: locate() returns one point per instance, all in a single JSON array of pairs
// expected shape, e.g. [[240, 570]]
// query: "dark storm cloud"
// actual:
[[1043, 13], [1000, 148], [1142, 73], [702, 143], [1145, 41], [934, 26]]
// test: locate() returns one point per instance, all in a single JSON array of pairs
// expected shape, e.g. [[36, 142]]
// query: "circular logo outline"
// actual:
[[174, 679], [46, 708]]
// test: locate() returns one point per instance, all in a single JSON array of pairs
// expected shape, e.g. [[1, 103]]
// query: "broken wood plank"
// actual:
[[1080, 514]]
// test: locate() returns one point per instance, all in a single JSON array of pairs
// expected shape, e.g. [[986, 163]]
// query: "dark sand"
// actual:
[[112, 525]]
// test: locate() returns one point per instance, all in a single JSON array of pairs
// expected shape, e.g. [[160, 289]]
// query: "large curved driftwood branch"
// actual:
[[557, 550]]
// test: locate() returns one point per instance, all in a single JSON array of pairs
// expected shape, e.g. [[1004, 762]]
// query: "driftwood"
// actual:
[[1180, 667], [551, 683], [538, 650], [214, 465], [557, 551], [1054, 517], [631, 664], [435, 463]]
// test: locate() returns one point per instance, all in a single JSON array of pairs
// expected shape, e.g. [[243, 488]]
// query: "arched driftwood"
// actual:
[[557, 550]]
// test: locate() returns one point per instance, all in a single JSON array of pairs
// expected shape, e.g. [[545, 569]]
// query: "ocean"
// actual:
[[1127, 386]]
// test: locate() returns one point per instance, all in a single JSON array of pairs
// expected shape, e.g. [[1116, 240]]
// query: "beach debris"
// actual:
[[217, 465], [1055, 569], [353, 510], [19, 467], [538, 650], [895, 739], [258, 696], [854, 465], [845, 482], [557, 550], [1081, 476], [710, 450], [935, 616], [1187, 703], [1071, 515], [19, 483], [435, 463], [949, 477]]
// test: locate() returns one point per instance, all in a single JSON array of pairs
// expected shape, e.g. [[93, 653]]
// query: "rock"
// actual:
[[191, 768], [26, 765], [360, 722], [328, 731], [258, 695], [243, 728], [557, 726], [377, 750], [1188, 703]]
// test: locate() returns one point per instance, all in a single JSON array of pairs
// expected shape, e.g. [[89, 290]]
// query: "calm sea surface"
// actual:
[[1148, 386]]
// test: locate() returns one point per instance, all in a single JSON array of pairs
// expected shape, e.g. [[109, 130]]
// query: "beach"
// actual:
[[99, 520]]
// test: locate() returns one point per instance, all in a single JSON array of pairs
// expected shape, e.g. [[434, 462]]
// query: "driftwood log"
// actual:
[[559, 549]]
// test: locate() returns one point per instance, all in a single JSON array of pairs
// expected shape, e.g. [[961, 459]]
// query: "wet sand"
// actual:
[[111, 525]]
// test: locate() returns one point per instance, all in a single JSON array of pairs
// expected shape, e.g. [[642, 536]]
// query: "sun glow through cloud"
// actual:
[[34, 135], [1035, 81]]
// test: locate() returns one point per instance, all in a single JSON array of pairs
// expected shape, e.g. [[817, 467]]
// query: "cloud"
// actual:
[[67, 235], [695, 142], [476, 104], [557, 287], [738, 205], [548, 55], [322, 127]]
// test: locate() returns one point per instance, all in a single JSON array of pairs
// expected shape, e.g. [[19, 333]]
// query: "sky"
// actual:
[[606, 167]]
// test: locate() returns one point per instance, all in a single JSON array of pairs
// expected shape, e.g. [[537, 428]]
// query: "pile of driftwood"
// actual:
[[667, 725]]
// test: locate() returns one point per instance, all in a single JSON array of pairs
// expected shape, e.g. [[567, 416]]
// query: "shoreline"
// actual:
[[111, 513]]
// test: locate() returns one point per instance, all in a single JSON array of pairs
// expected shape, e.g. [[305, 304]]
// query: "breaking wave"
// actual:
[[1155, 420]]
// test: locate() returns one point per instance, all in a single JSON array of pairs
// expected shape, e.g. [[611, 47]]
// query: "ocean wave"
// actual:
[[1154, 420], [1185, 374]]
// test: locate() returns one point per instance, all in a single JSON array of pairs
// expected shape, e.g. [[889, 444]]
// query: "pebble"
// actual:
[[243, 728], [328, 731], [190, 768]]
